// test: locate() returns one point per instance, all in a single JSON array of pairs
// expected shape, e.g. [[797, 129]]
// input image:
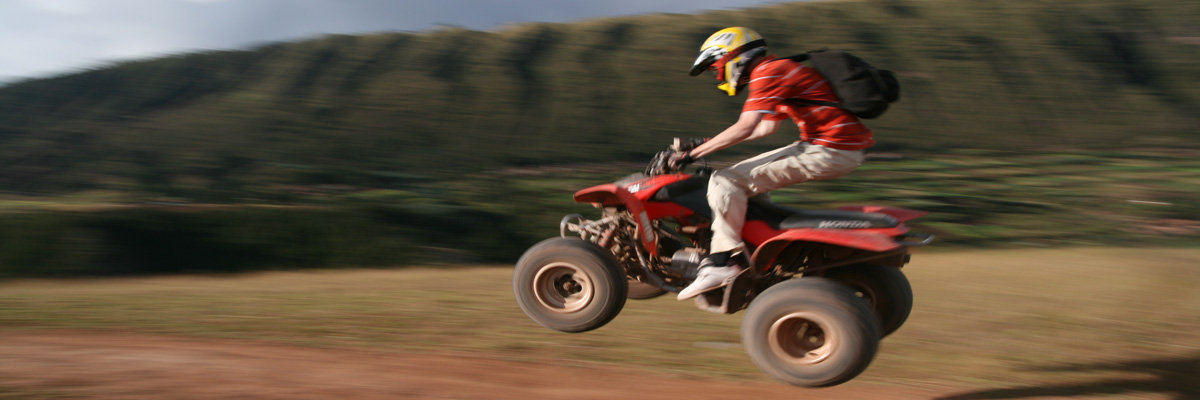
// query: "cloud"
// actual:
[[42, 37]]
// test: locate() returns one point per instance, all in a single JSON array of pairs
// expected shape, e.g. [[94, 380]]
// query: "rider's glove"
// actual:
[[680, 159]]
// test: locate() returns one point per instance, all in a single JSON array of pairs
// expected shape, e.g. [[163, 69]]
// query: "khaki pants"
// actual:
[[730, 188]]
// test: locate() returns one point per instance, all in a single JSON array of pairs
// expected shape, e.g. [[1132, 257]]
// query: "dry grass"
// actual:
[[1091, 322]]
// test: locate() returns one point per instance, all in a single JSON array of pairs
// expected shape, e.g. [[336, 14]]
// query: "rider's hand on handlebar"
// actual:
[[679, 160]]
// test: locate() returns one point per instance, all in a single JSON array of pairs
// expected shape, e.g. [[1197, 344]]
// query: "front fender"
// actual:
[[601, 195], [611, 195], [873, 241]]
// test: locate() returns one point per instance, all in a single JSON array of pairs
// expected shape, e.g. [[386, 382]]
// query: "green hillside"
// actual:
[[1012, 75], [432, 123]]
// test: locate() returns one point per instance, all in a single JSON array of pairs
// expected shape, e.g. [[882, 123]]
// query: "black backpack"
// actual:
[[864, 91]]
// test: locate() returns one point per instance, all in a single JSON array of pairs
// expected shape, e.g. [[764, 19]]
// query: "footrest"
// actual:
[[732, 298]]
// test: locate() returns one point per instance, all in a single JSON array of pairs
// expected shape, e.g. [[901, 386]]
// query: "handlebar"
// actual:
[[688, 145], [660, 163]]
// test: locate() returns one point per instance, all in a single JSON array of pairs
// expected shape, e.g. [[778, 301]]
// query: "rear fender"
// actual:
[[766, 254], [611, 195]]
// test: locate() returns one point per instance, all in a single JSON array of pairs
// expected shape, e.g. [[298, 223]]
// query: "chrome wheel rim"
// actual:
[[562, 287], [803, 338]]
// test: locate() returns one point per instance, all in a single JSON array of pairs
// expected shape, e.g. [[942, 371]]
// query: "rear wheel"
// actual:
[[884, 288], [810, 332], [569, 285]]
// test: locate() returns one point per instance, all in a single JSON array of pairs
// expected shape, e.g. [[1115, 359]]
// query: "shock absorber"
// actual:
[[606, 237]]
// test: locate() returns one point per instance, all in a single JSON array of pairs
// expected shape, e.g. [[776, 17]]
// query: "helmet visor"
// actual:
[[706, 59]]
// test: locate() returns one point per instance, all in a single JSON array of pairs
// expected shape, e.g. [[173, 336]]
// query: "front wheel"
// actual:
[[569, 285], [810, 332]]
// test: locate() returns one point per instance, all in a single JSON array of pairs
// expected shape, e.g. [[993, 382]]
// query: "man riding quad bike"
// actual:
[[821, 288]]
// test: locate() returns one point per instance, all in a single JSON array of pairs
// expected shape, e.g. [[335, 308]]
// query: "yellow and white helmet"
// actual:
[[727, 53]]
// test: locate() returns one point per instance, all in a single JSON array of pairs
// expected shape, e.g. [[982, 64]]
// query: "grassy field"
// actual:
[[1087, 321]]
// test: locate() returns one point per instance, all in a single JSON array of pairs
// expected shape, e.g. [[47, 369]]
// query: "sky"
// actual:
[[42, 38]]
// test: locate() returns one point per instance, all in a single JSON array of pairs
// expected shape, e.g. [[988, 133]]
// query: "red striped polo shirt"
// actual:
[[774, 81]]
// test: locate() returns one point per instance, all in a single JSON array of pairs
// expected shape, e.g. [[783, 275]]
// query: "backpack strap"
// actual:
[[799, 57], [807, 102]]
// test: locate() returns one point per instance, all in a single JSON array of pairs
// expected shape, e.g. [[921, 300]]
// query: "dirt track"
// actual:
[[138, 366]]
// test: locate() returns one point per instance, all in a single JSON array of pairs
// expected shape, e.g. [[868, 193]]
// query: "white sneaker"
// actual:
[[709, 278]]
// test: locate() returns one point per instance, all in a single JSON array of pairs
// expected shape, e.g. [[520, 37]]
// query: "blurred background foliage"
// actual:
[[1056, 122]]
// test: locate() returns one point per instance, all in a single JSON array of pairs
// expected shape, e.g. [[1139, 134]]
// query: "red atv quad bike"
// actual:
[[820, 288]]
